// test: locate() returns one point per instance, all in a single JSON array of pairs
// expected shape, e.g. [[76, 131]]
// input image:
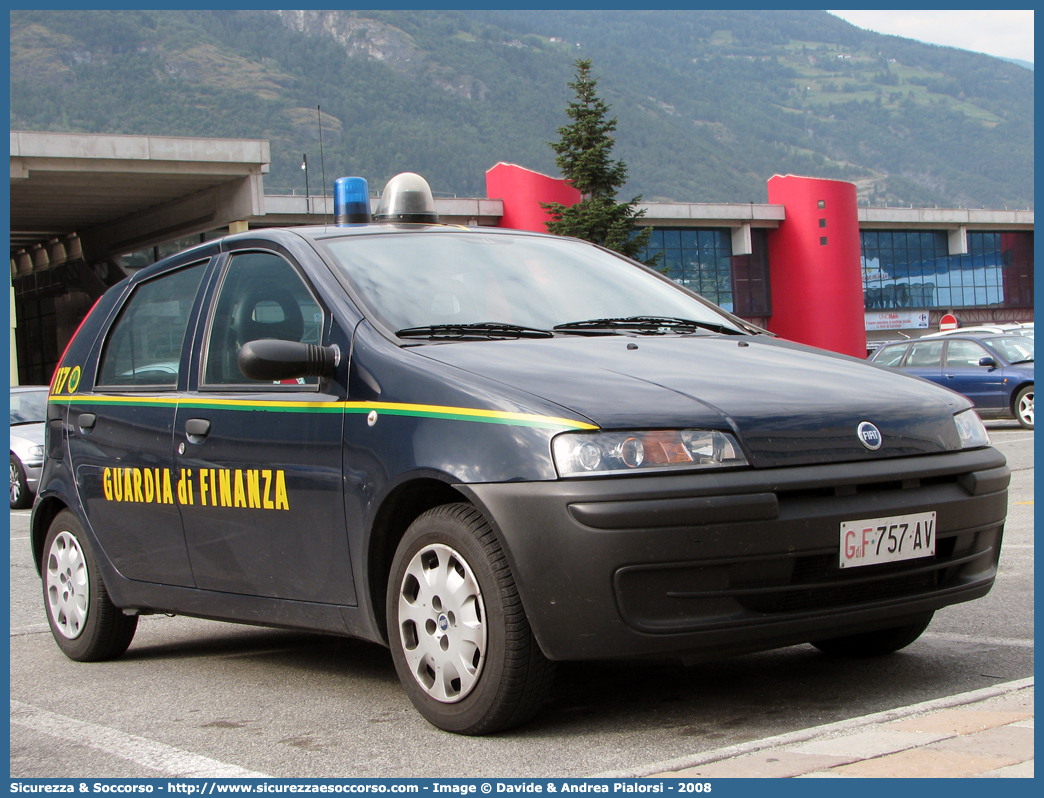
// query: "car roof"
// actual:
[[969, 336], [1000, 327], [983, 329], [1021, 338], [288, 235]]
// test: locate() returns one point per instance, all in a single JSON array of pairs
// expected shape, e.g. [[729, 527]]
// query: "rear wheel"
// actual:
[[874, 644], [459, 637], [1024, 406], [85, 623]]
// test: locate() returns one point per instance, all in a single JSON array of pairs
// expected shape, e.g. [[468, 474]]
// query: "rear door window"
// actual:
[[144, 346], [891, 355], [925, 354]]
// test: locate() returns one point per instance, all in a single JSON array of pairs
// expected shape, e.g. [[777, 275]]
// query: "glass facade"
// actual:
[[701, 259], [913, 269]]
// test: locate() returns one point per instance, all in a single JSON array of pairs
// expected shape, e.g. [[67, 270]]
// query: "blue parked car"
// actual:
[[994, 371]]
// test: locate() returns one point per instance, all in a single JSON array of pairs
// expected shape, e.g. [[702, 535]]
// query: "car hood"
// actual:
[[1025, 368], [789, 404], [25, 435]]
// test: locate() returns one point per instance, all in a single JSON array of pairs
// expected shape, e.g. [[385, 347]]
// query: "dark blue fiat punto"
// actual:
[[490, 450]]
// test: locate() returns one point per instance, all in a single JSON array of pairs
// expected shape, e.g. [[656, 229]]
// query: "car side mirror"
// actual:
[[271, 359], [987, 361]]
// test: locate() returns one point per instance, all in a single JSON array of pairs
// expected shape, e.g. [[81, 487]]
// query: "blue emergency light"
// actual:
[[352, 200]]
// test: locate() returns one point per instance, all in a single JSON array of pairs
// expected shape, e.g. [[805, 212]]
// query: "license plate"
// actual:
[[877, 540]]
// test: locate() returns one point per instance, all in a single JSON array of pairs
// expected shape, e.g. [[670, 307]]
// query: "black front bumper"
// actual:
[[726, 562]]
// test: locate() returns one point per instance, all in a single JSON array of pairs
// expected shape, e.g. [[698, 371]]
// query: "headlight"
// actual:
[[592, 453], [971, 431], [36, 452]]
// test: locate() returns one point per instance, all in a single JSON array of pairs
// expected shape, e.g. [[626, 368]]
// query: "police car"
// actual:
[[491, 450]]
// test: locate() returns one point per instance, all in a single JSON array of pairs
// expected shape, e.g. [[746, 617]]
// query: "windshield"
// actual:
[[420, 280], [28, 407], [1013, 348]]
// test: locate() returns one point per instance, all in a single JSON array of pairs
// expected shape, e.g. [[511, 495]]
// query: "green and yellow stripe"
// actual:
[[388, 408], [467, 414]]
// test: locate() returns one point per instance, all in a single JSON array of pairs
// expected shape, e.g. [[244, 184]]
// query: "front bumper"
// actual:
[[736, 561], [32, 475]]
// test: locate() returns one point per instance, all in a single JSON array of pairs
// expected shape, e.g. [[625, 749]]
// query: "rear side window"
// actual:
[[144, 345]]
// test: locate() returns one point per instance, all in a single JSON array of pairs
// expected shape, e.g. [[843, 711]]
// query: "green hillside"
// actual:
[[710, 103]]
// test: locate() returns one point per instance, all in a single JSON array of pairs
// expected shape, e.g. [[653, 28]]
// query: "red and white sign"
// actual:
[[948, 322]]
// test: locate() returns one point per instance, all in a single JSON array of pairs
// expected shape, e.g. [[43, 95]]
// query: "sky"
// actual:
[[1006, 34]]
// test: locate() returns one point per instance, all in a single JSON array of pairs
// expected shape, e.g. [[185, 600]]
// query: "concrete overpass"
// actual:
[[99, 196]]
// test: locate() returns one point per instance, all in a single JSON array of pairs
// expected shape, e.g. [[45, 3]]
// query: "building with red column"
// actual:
[[813, 266]]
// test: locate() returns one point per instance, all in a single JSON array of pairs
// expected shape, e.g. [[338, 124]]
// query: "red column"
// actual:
[[522, 191], [816, 281]]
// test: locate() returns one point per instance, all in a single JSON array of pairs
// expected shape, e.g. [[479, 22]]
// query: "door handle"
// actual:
[[197, 429], [85, 421]]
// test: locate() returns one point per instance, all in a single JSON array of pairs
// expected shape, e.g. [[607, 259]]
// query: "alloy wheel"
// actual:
[[68, 588], [442, 623], [16, 486], [1025, 408]]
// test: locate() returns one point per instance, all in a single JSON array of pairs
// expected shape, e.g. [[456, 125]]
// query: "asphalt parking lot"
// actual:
[[194, 697]]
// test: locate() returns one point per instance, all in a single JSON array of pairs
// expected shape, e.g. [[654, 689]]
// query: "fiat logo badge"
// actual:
[[869, 436]]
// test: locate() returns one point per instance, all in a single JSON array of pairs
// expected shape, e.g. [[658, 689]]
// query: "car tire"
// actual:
[[85, 623], [21, 496], [459, 636], [1023, 406], [877, 643]]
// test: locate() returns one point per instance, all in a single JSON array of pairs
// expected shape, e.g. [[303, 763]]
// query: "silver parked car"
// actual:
[[1024, 329], [28, 413]]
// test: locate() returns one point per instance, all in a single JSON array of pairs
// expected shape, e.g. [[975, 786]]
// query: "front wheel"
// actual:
[[1024, 406], [875, 644], [459, 637], [21, 497], [85, 623]]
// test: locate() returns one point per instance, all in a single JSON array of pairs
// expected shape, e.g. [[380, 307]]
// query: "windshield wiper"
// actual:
[[647, 325], [477, 331]]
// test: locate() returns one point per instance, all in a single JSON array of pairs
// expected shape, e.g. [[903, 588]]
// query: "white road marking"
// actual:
[[1013, 642], [163, 758], [31, 629]]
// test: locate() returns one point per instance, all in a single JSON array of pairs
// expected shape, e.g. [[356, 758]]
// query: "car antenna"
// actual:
[[322, 162]]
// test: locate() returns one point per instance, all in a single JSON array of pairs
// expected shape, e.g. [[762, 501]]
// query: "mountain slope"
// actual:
[[710, 103]]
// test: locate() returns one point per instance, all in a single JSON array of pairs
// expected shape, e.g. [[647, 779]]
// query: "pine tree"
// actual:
[[583, 155]]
